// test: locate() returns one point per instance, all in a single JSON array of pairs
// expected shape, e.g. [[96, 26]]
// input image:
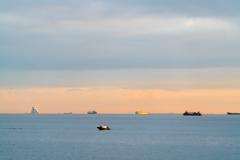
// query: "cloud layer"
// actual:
[[78, 35]]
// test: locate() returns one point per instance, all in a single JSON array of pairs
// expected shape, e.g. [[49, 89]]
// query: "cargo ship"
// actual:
[[186, 113], [92, 112], [229, 113], [141, 112]]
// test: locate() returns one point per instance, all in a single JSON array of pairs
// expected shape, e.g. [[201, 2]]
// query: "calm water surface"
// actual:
[[66, 137]]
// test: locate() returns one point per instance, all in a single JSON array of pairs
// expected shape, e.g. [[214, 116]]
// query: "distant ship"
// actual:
[[92, 112], [34, 110], [68, 113], [192, 113], [141, 112], [229, 113]]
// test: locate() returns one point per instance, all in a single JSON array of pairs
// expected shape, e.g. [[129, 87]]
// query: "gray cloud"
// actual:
[[185, 7], [157, 51], [93, 35]]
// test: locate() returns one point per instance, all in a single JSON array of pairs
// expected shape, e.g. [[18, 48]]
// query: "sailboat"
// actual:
[[34, 110]]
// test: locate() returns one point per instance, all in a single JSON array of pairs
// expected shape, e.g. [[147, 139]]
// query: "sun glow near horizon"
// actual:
[[119, 101]]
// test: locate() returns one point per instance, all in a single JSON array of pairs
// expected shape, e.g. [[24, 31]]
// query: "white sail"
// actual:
[[34, 110]]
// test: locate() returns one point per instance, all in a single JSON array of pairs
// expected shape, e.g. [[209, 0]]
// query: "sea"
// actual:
[[132, 137]]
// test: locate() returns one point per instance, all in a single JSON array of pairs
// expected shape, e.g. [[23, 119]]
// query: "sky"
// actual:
[[119, 56]]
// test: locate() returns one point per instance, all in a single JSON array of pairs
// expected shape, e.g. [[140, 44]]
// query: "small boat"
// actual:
[[186, 113], [104, 127]]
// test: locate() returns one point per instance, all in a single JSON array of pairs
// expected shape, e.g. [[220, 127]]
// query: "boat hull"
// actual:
[[228, 113], [68, 113], [92, 112], [103, 128], [192, 113]]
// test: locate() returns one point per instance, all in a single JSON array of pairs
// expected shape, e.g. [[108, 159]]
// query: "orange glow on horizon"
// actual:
[[81, 100]]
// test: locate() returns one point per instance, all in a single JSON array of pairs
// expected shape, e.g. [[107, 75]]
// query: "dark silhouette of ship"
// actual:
[[186, 113], [92, 112], [229, 113], [68, 113]]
